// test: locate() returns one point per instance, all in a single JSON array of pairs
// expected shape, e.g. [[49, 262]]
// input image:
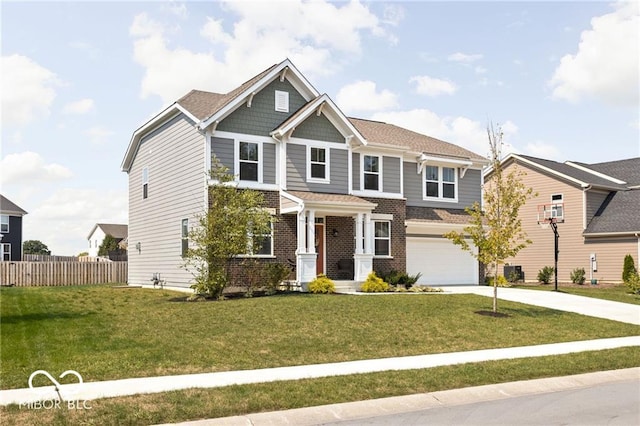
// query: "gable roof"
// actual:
[[566, 171], [8, 207], [618, 214], [389, 134], [627, 170], [116, 230]]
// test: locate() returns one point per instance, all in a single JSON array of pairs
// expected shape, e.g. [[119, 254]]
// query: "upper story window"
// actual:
[[440, 183], [557, 206], [282, 101], [4, 223], [248, 161], [371, 172], [145, 183], [318, 166]]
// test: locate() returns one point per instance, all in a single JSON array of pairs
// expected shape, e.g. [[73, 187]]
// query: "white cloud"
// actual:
[[393, 14], [461, 131], [607, 64], [362, 96], [81, 106], [64, 219], [433, 86], [30, 167], [464, 57], [317, 36], [480, 69], [98, 135], [27, 90]]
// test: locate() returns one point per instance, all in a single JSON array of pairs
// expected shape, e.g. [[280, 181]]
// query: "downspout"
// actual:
[[638, 258]]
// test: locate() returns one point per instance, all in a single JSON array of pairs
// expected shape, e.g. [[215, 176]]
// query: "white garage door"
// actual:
[[440, 262]]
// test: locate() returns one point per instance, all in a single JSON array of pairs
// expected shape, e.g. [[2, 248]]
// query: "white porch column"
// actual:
[[306, 263], [368, 234], [359, 233]]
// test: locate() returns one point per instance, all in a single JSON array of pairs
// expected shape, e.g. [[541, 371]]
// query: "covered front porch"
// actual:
[[334, 236]]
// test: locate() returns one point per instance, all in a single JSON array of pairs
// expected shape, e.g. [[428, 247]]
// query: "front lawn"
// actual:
[[112, 333]]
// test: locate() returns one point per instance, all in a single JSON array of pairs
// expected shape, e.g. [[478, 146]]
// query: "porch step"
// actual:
[[346, 286]]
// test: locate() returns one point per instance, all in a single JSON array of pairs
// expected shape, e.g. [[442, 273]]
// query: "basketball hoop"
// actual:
[[546, 223]]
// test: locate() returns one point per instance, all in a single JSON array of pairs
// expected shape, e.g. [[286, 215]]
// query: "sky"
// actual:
[[78, 78]]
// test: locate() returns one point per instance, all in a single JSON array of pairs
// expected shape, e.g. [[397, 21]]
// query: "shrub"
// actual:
[[502, 281], [396, 278], [276, 273], [425, 289], [628, 268], [374, 284], [633, 283], [577, 276], [322, 284], [544, 274]]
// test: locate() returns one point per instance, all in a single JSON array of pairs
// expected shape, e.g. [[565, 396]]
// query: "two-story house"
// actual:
[[597, 209], [101, 230], [10, 230], [344, 190]]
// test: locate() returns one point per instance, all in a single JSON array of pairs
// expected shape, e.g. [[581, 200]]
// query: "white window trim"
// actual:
[[259, 256], [145, 182], [3, 223], [440, 197], [184, 237], [237, 160], [362, 172], [2, 249], [327, 166], [381, 256]]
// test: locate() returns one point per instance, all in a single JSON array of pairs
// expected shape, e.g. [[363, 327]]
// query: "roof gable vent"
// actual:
[[282, 101]]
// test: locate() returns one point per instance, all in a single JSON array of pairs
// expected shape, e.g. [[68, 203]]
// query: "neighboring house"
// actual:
[[101, 230], [350, 195], [597, 207], [10, 230]]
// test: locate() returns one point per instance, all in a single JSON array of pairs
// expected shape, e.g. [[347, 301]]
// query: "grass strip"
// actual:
[[236, 400]]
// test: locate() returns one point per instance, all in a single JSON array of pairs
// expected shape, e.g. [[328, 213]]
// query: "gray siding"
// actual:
[[269, 165], [391, 174], [297, 171], [318, 128], [174, 156], [262, 117], [355, 171], [469, 189], [223, 149], [594, 201]]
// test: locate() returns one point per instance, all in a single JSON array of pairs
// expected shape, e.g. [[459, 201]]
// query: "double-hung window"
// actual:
[[4, 223], [145, 183], [249, 161], [440, 182], [6, 251], [382, 238], [371, 172], [260, 244], [557, 207], [184, 231], [318, 164]]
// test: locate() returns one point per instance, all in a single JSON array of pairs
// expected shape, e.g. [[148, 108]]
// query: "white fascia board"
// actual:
[[593, 172], [165, 115], [611, 234], [540, 167], [300, 83], [92, 231]]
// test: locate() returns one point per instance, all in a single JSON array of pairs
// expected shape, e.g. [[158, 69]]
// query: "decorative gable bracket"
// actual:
[[424, 159]]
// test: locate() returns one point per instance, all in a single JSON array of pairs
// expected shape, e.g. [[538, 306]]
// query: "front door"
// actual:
[[320, 248]]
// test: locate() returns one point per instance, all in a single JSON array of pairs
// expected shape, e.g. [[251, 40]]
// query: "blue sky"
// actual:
[[78, 78]]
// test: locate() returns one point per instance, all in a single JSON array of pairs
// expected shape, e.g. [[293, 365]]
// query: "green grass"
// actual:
[[111, 333], [196, 404], [618, 293]]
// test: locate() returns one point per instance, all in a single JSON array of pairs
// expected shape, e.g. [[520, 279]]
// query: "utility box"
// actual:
[[511, 271]]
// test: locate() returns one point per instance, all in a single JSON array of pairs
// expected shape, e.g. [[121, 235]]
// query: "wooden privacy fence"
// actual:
[[28, 274]]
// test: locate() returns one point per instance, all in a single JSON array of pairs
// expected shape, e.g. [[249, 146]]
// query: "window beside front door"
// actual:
[[440, 183], [382, 238], [260, 245], [371, 172], [248, 161]]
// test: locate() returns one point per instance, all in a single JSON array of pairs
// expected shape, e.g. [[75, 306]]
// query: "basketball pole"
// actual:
[[554, 226]]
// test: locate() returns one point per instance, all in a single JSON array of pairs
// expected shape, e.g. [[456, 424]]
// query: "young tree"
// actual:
[[235, 223], [496, 231], [35, 247], [109, 243]]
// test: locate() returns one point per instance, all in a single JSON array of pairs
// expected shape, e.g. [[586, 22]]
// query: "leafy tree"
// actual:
[[35, 247], [497, 231], [83, 253], [628, 268], [109, 243], [235, 223]]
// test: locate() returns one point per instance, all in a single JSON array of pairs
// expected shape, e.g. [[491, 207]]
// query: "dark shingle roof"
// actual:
[[389, 134], [627, 170], [620, 212], [575, 173], [422, 214], [114, 229], [9, 207]]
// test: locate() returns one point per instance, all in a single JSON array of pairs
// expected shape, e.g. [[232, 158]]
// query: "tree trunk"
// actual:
[[495, 289]]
